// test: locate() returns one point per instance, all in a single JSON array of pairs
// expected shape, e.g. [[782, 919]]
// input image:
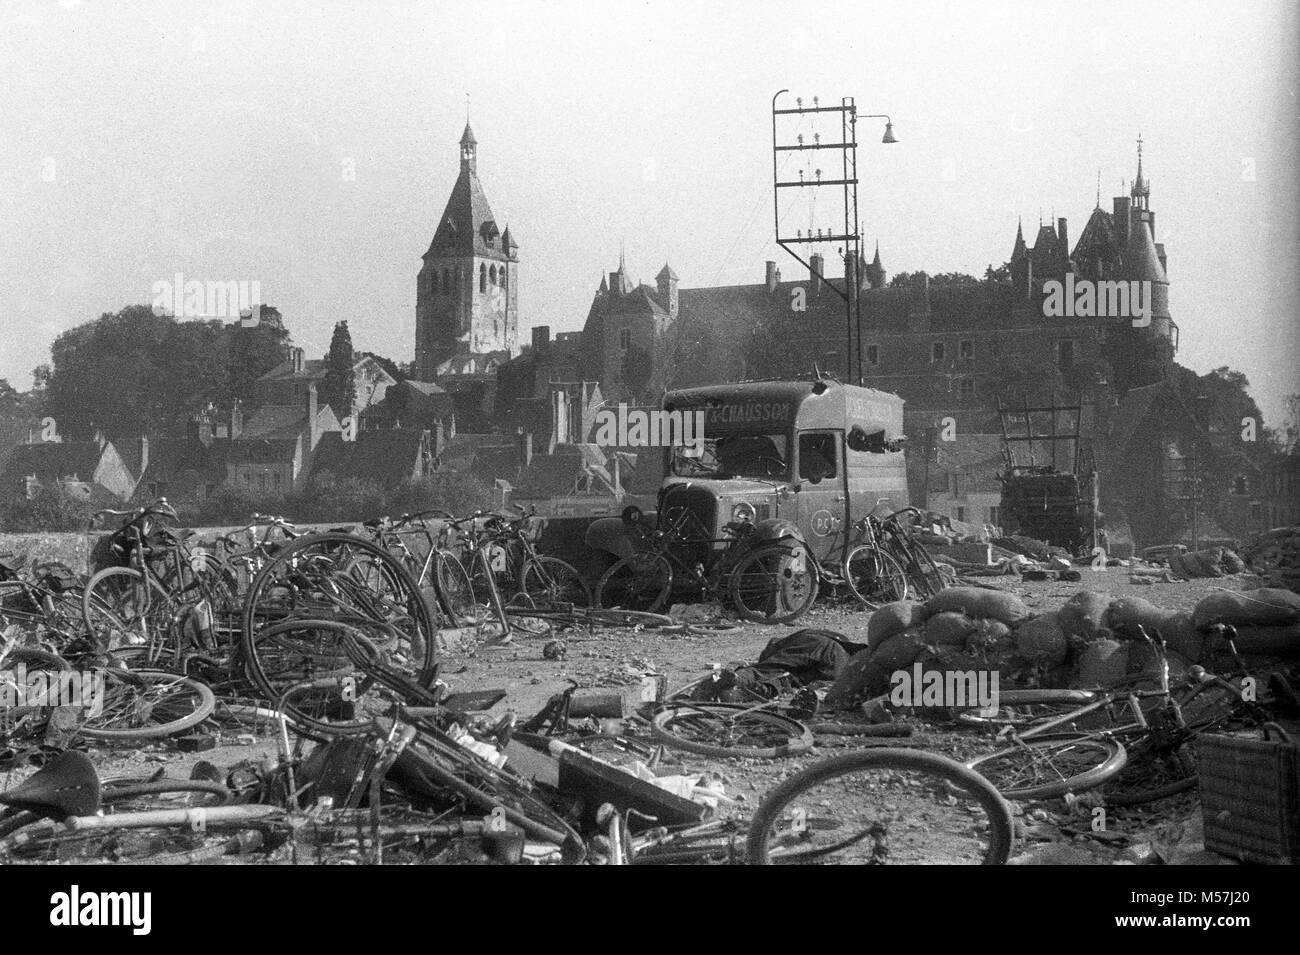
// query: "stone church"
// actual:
[[467, 298]]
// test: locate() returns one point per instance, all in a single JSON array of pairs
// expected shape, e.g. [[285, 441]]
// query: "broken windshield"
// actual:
[[763, 456]]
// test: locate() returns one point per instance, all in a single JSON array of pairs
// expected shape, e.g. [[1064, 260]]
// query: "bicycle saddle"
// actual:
[[68, 786]]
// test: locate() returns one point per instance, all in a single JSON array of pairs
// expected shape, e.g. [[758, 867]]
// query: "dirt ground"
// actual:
[[1048, 833]]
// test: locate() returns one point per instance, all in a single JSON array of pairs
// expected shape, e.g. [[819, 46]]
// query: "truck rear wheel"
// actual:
[[776, 583]]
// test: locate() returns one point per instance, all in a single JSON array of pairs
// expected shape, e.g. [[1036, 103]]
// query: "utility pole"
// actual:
[[850, 233]]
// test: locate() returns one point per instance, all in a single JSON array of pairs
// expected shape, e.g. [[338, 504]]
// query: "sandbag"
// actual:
[[1041, 641], [1266, 607], [860, 678], [949, 629], [991, 638], [900, 650], [1274, 641], [892, 619], [978, 602], [1126, 614], [1083, 616], [1102, 663], [1183, 638]]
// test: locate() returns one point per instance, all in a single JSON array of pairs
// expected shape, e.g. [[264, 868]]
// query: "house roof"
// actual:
[[383, 457], [52, 460], [169, 457], [262, 450], [313, 369], [275, 421]]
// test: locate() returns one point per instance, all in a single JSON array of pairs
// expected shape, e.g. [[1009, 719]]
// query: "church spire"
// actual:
[[468, 150], [1141, 188]]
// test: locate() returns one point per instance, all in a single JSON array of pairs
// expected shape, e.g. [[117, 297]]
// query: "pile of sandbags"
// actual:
[[1093, 640], [1267, 620], [1212, 562], [1275, 556]]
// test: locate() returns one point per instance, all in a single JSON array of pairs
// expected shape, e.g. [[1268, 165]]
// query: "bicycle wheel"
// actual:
[[305, 582], [1025, 708], [730, 729], [924, 574], [775, 583], [455, 589], [640, 582], [121, 606], [1048, 767], [874, 576], [552, 582], [129, 795], [882, 806], [1153, 772], [147, 704]]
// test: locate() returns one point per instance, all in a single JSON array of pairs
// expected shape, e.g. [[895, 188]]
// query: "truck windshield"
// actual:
[[739, 455]]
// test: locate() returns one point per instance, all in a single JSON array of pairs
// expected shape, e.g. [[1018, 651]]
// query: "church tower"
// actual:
[[466, 298]]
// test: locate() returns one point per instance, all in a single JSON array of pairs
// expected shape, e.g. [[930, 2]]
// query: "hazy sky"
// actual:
[[139, 139]]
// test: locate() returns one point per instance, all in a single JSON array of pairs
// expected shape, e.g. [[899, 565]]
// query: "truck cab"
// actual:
[[796, 459]]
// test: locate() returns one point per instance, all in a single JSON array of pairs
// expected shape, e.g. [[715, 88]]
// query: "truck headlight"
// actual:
[[743, 512]]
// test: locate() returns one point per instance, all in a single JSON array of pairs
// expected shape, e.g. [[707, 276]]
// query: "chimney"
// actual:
[[541, 337], [313, 408], [100, 439], [1122, 223], [1063, 235], [236, 420], [816, 269], [772, 277], [296, 356], [144, 453], [525, 447]]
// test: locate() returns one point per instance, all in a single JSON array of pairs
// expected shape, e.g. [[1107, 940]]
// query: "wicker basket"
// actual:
[[1250, 796]]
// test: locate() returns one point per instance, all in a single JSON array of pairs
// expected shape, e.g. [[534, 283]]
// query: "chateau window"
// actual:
[[433, 281], [995, 516], [961, 514], [967, 350], [446, 281], [625, 339], [937, 352], [967, 388], [873, 354], [492, 275], [482, 278], [1239, 485]]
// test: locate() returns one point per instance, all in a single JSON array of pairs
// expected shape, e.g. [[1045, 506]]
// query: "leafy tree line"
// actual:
[[135, 372]]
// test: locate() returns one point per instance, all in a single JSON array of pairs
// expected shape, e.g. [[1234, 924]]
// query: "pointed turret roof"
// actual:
[[467, 137], [467, 223], [1140, 186], [667, 273], [1019, 250], [1142, 261], [604, 285]]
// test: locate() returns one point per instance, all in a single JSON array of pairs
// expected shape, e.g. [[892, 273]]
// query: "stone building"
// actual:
[[467, 297], [625, 337]]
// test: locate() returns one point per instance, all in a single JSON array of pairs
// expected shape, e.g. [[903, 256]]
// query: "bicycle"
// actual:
[[768, 583], [899, 542], [1137, 746], [871, 574]]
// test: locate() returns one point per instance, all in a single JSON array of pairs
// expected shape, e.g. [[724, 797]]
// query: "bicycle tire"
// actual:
[[797, 738], [202, 709], [776, 592], [1102, 758], [951, 772], [645, 580], [1028, 707], [885, 583], [1140, 781], [455, 590], [549, 581], [100, 608], [112, 794], [310, 561]]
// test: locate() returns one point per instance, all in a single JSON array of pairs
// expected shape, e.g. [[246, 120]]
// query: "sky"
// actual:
[[311, 147]]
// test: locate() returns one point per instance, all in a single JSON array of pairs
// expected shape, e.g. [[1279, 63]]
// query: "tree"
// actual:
[[252, 352], [339, 389], [1001, 274]]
